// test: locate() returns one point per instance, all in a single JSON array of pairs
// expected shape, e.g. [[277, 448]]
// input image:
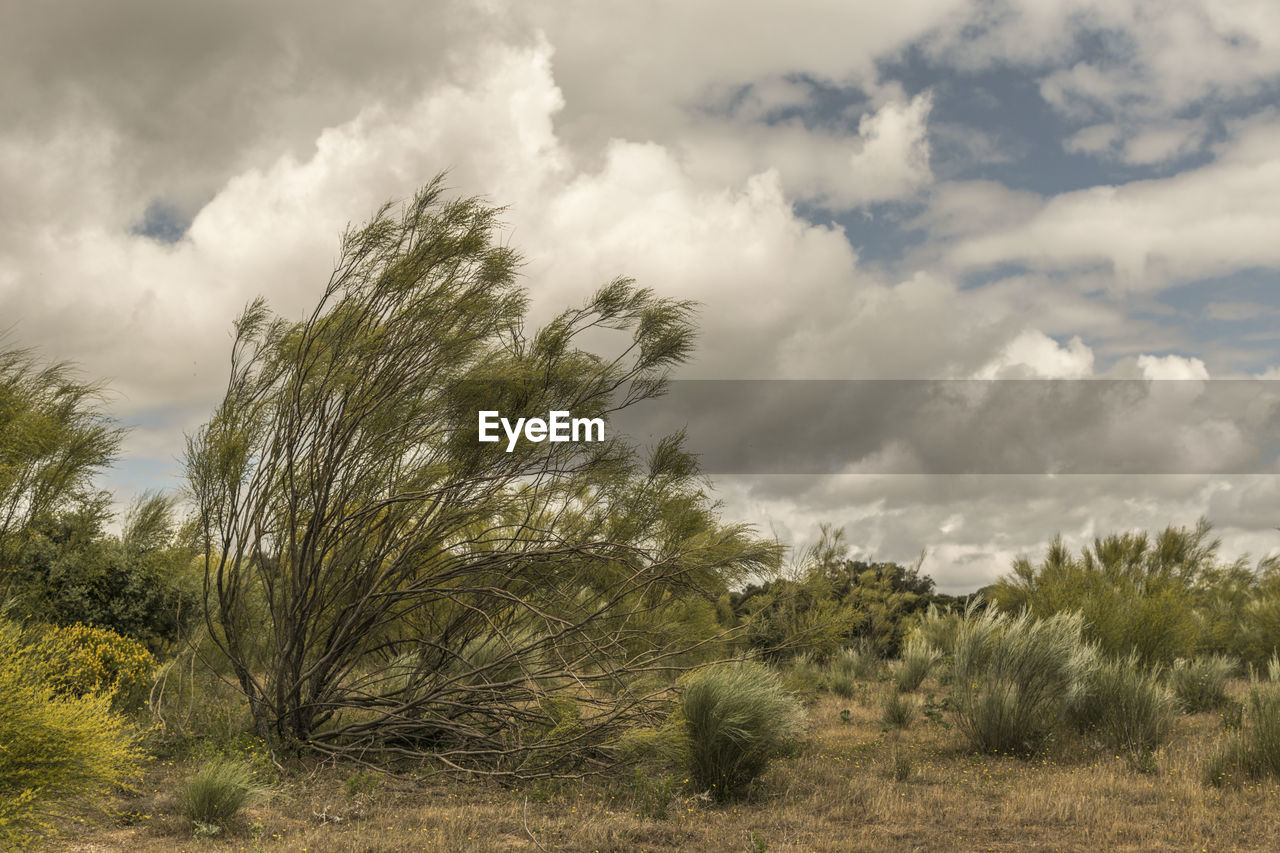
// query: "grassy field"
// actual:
[[855, 787]]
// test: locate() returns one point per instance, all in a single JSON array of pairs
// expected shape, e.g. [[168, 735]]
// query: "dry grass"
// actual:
[[841, 794]]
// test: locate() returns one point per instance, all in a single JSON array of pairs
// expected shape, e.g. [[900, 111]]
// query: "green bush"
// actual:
[[140, 584], [54, 748], [1138, 593], [918, 658], [1125, 704], [80, 660], [1201, 683], [1011, 676], [841, 685], [736, 718], [218, 791]]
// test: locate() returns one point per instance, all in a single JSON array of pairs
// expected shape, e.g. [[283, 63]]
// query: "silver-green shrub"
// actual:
[[737, 718], [1012, 675], [1125, 704], [216, 793], [1201, 683], [918, 659]]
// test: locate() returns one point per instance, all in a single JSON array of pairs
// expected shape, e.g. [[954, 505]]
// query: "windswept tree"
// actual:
[[383, 583], [54, 437]]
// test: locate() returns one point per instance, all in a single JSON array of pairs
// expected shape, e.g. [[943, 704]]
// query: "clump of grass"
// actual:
[[1125, 704], [1011, 676], [850, 668], [939, 628], [216, 793], [737, 718], [1201, 683], [805, 670], [1228, 765], [856, 664], [1253, 750], [898, 711], [902, 766], [918, 659]]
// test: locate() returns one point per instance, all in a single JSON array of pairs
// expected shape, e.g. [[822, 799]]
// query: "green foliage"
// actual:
[[737, 718], [858, 664], [54, 748], [53, 439], [898, 711], [81, 660], [383, 583], [918, 659], [803, 675], [1123, 703], [216, 793], [139, 584], [834, 601], [1200, 684], [652, 794], [1011, 676], [1137, 594]]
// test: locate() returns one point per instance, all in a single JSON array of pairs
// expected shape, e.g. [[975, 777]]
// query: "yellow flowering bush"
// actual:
[[83, 660], [54, 747]]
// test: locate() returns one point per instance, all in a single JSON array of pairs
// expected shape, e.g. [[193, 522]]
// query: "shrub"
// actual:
[[1126, 704], [1139, 593], [216, 793], [918, 658], [1011, 676], [53, 748], [898, 711], [1201, 683], [81, 660], [737, 718]]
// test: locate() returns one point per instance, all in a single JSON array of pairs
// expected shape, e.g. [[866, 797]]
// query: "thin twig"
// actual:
[[524, 818]]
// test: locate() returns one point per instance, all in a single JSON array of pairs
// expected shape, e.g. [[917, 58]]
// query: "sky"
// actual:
[[923, 190]]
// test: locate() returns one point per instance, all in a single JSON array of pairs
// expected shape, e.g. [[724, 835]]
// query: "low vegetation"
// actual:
[[215, 796], [736, 719], [419, 644]]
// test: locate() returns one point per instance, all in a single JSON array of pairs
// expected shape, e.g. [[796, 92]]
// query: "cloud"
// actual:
[[1035, 355], [1146, 144], [684, 144], [1207, 221]]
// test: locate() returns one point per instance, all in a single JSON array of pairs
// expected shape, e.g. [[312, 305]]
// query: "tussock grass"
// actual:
[[918, 660], [216, 793], [1011, 676], [898, 711], [737, 718], [1200, 684], [1125, 704]]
